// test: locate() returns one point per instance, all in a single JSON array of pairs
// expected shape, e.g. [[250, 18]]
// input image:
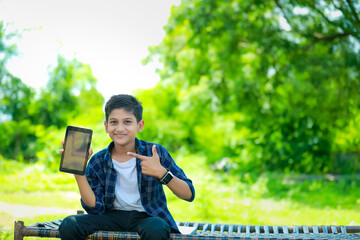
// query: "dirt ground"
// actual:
[[19, 211]]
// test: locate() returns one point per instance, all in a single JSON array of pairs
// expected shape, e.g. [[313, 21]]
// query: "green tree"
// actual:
[[6, 50], [69, 98], [17, 133], [70, 91], [268, 83], [30, 123]]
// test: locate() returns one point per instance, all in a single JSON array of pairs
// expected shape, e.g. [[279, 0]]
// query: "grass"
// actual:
[[243, 198], [33, 185], [267, 199]]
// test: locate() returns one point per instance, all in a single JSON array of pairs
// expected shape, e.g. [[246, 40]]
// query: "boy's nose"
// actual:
[[120, 127]]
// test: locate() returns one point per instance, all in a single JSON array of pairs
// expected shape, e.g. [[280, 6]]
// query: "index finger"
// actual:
[[137, 155]]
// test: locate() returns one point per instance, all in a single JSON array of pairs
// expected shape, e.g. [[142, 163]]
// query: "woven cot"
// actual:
[[204, 231]]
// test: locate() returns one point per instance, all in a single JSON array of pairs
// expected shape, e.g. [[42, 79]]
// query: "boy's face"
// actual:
[[122, 127]]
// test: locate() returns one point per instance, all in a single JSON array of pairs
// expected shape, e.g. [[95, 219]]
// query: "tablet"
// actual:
[[76, 150]]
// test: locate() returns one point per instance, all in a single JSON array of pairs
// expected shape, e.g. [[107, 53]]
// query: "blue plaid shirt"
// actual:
[[101, 176]]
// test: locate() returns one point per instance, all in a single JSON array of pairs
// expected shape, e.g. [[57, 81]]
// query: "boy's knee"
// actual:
[[154, 228], [69, 228], [67, 223]]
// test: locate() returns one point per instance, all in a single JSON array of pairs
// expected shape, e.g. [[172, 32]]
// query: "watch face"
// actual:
[[168, 177]]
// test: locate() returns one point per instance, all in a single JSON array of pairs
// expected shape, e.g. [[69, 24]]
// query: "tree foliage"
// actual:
[[6, 50], [32, 124], [66, 94], [17, 135], [269, 84]]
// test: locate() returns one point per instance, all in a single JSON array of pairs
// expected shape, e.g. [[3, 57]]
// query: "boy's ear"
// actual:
[[106, 126], [140, 125]]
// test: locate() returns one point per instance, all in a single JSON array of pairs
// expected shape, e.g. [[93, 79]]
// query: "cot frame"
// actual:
[[204, 231]]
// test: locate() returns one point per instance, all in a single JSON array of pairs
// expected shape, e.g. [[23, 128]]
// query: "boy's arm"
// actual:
[[151, 166], [179, 187], [87, 194]]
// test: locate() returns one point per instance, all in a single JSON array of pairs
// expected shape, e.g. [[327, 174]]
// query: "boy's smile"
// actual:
[[122, 127]]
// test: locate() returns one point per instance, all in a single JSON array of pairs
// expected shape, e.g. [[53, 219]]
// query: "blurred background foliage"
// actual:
[[259, 102], [33, 122], [252, 85], [262, 85]]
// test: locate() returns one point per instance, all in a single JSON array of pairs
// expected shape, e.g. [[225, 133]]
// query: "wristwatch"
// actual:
[[166, 178]]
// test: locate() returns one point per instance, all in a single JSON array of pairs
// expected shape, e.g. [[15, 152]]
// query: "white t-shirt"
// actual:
[[127, 196]]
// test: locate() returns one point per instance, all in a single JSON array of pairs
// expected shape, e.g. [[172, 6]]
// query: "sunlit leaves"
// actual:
[[290, 67], [31, 124], [70, 91]]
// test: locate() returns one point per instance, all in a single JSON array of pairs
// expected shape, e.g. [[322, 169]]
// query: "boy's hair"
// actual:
[[127, 102]]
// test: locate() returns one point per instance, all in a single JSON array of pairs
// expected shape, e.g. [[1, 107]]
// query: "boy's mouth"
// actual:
[[120, 135]]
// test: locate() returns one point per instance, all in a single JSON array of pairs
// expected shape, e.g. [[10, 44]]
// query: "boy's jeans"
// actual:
[[77, 227]]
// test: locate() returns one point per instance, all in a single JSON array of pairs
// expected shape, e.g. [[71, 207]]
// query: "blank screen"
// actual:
[[75, 150]]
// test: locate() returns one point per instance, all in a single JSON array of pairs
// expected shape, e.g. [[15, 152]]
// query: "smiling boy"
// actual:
[[123, 186]]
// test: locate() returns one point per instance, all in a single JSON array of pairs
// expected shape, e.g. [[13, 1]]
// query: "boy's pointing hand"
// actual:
[[150, 165]]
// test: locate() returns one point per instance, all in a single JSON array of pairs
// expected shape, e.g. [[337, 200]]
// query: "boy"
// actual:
[[123, 187]]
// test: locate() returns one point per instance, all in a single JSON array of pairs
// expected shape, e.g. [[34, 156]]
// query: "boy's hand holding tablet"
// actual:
[[76, 150]]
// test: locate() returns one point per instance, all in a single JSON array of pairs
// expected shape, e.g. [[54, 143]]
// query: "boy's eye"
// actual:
[[112, 122], [127, 122]]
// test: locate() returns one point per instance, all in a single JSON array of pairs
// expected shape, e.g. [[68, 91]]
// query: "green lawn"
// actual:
[[266, 199]]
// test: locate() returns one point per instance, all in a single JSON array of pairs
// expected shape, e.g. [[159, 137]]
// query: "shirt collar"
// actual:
[[139, 146]]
